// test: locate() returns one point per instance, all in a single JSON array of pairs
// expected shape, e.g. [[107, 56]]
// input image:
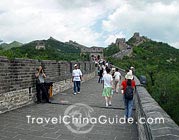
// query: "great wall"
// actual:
[[17, 89]]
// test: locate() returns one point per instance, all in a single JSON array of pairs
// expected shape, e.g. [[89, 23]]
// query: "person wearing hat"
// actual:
[[133, 70], [128, 85], [76, 79]]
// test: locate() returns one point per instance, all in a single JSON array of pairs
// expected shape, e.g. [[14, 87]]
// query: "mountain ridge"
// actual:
[[48, 49], [13, 44]]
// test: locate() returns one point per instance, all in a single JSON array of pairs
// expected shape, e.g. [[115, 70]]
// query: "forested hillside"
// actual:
[[54, 50], [6, 46], [111, 49], [159, 62]]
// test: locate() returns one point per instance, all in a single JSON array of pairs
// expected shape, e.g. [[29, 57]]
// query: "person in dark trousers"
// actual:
[[40, 86], [100, 75]]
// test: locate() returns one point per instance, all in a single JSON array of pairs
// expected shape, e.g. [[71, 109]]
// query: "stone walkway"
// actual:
[[14, 124]]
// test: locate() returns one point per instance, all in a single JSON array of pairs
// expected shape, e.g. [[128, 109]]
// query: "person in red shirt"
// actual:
[[128, 103]]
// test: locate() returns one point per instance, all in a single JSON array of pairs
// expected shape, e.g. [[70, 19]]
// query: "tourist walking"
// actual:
[[100, 74], [133, 70], [76, 79], [128, 86], [40, 85], [117, 79], [107, 87]]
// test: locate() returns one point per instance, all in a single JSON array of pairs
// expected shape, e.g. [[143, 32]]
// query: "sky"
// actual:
[[89, 22]]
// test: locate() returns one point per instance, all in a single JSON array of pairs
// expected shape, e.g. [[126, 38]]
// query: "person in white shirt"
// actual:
[[117, 79], [107, 87], [76, 79]]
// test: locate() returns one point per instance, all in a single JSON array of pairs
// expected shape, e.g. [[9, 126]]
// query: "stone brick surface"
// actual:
[[17, 79], [147, 107], [14, 124]]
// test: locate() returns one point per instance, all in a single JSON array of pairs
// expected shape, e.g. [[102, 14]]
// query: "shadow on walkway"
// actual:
[[15, 126]]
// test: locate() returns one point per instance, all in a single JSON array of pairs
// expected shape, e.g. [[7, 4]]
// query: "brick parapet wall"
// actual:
[[17, 79], [148, 109]]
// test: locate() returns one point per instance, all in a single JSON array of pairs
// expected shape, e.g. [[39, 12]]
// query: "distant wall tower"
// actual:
[[94, 51], [121, 43], [137, 36], [139, 39], [40, 45]]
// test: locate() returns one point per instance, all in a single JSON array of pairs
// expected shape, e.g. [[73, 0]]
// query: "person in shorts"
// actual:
[[107, 87]]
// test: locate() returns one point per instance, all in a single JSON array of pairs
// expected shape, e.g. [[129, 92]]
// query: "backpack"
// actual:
[[129, 93]]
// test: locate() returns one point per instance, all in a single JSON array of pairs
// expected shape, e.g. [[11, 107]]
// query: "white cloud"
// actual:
[[35, 20], [156, 20], [175, 44], [91, 22], [112, 37]]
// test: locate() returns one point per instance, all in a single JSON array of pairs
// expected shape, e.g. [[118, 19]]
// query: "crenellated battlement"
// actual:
[[17, 79]]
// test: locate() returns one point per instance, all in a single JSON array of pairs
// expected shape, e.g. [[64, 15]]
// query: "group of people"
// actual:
[[102, 64], [111, 84]]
